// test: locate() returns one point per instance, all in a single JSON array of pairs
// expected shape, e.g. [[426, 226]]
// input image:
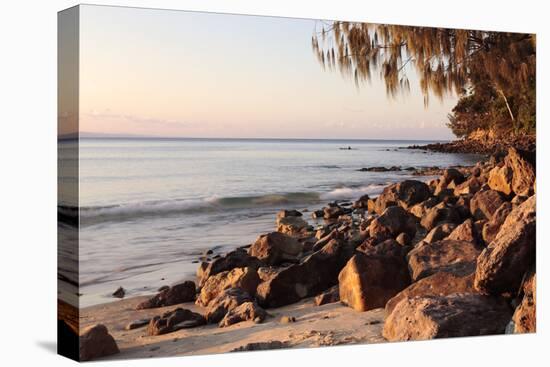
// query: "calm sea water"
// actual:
[[149, 207]]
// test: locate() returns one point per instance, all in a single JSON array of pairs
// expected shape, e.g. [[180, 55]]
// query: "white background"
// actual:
[[28, 180]]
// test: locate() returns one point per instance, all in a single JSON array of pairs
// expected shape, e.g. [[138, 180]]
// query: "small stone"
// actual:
[[287, 319], [119, 293]]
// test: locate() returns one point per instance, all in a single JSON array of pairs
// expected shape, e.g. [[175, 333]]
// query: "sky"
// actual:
[[187, 74]]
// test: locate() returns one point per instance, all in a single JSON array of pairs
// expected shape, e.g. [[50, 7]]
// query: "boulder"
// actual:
[[333, 212], [485, 203], [331, 295], [439, 214], [455, 315], [316, 273], [439, 232], [245, 278], [500, 179], [96, 342], [179, 293], [226, 301], [500, 267], [393, 221], [522, 166], [361, 203], [470, 186], [288, 213], [465, 232], [420, 209], [238, 258], [457, 257], [369, 281], [403, 239], [525, 315], [406, 194], [491, 228], [244, 312], [275, 248], [174, 320], [292, 226], [438, 284], [453, 175]]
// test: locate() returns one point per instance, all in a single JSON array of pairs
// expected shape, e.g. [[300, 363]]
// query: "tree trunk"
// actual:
[[508, 107]]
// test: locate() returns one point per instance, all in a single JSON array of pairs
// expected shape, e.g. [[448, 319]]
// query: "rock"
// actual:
[[244, 312], [274, 344], [179, 293], [174, 320], [500, 179], [457, 257], [238, 258], [362, 202], [316, 273], [501, 265], [226, 301], [485, 203], [288, 213], [523, 171], [455, 315], [470, 186], [334, 234], [439, 214], [317, 214], [96, 342], [331, 295], [267, 272], [369, 281], [393, 221], [275, 248], [439, 232], [292, 226], [119, 293], [465, 232], [406, 194], [438, 284], [491, 228], [332, 212], [453, 175], [287, 319], [245, 278], [136, 324], [403, 239], [420, 209], [525, 315]]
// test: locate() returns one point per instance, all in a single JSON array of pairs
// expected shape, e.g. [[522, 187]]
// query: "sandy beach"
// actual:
[[315, 326]]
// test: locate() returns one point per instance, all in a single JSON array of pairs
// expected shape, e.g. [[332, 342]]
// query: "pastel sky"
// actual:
[[185, 74]]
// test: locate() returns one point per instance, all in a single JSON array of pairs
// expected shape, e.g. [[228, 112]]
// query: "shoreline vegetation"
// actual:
[[451, 257]]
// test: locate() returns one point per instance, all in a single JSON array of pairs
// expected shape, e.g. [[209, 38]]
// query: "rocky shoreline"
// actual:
[[451, 257], [483, 145]]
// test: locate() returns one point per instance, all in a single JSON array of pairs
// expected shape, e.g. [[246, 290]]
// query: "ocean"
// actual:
[[150, 207]]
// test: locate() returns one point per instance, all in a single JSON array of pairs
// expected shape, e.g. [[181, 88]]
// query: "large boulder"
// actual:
[[439, 214], [470, 186], [275, 248], [500, 267], [466, 231], [485, 203], [500, 179], [439, 232], [292, 226], [96, 342], [522, 166], [238, 258], [361, 203], [174, 320], [393, 221], [316, 273], [244, 312], [452, 175], [438, 284], [179, 293], [431, 317], [406, 194], [226, 301], [245, 278], [458, 257], [491, 228], [370, 279], [525, 316]]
